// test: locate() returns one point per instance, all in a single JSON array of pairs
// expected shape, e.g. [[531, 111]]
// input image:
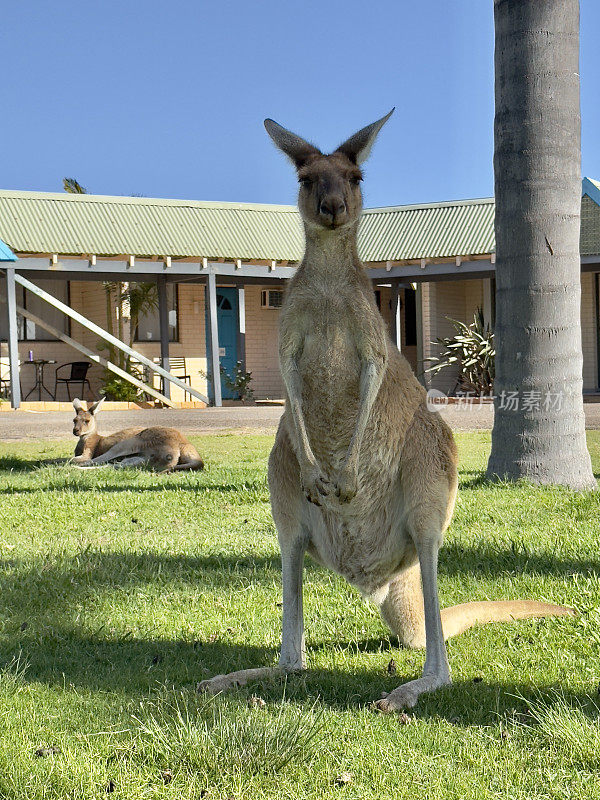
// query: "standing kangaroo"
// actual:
[[164, 449], [363, 477]]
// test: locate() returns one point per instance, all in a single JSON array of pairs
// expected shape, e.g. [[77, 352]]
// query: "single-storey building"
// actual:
[[221, 269]]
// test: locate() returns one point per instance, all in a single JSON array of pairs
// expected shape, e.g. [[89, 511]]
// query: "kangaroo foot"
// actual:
[[407, 695], [233, 680]]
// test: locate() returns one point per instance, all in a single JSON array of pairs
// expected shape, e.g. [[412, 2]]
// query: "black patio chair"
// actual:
[[178, 368], [77, 374]]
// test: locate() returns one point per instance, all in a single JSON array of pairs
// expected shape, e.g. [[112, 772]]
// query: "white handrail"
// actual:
[[94, 356], [91, 326]]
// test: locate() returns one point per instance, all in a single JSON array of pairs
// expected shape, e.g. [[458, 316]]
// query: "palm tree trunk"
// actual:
[[537, 168]]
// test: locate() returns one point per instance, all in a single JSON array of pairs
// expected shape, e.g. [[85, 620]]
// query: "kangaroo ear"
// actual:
[[295, 148], [77, 405], [358, 147], [95, 407]]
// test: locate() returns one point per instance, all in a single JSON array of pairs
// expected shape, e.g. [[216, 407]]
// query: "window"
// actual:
[[148, 328], [28, 331]]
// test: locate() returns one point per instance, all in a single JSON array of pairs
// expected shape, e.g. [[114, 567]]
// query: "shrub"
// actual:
[[472, 349]]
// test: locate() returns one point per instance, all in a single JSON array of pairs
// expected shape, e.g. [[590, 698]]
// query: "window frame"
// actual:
[[47, 337], [177, 338]]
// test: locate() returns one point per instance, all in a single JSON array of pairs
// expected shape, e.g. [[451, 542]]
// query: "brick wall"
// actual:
[[588, 333], [262, 359], [192, 340]]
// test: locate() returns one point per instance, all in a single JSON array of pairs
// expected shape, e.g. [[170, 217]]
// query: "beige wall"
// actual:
[[262, 327], [447, 299], [442, 300]]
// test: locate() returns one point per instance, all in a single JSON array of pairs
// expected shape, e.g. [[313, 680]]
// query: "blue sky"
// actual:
[[166, 99]]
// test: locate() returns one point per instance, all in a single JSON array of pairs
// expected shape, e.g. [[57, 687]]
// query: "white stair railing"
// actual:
[[108, 337]]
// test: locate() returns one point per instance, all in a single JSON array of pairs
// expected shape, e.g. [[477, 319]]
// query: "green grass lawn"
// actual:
[[119, 591]]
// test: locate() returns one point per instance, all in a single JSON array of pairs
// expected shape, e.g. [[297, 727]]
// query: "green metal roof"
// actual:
[[75, 224], [39, 222], [435, 230]]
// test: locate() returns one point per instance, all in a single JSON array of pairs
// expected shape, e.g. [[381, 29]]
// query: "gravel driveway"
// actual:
[[16, 425]]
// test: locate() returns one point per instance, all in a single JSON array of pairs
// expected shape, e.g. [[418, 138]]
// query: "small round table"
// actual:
[[39, 364]]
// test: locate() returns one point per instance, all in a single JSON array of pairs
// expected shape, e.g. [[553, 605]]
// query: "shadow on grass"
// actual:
[[474, 480], [47, 586], [19, 464], [477, 479], [41, 605], [165, 485], [137, 667], [128, 480], [487, 559]]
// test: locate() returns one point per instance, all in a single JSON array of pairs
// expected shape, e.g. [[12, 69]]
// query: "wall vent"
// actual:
[[271, 298]]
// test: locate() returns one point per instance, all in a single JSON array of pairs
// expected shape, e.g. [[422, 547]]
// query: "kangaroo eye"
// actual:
[[355, 181], [305, 183]]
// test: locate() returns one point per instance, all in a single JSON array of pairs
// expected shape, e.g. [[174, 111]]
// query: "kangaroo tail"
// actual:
[[456, 619]]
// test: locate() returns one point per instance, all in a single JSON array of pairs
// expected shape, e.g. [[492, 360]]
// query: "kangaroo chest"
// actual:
[[330, 368]]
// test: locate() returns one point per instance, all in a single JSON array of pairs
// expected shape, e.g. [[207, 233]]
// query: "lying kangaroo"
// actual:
[[164, 449], [362, 475]]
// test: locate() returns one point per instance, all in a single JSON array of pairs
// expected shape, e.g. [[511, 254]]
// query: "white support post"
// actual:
[[163, 319], [421, 375], [13, 339], [242, 327], [397, 316], [215, 366]]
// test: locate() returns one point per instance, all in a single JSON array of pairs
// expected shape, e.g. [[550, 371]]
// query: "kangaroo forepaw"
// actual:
[[316, 487], [346, 486], [79, 461], [407, 695]]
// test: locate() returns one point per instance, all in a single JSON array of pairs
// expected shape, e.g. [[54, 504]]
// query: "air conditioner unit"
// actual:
[[271, 298]]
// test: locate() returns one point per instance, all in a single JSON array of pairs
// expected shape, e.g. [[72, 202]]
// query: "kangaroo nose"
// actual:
[[332, 207]]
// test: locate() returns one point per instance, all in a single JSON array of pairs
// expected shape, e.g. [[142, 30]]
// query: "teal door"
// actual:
[[227, 315]]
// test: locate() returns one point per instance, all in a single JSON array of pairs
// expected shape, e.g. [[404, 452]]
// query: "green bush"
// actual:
[[472, 349]]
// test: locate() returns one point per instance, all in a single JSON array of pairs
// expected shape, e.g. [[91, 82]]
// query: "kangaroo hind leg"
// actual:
[[286, 503], [189, 459], [436, 672]]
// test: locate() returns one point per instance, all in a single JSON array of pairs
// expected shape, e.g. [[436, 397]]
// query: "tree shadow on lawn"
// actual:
[[165, 482], [489, 559], [20, 464], [139, 667], [477, 479], [40, 604]]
